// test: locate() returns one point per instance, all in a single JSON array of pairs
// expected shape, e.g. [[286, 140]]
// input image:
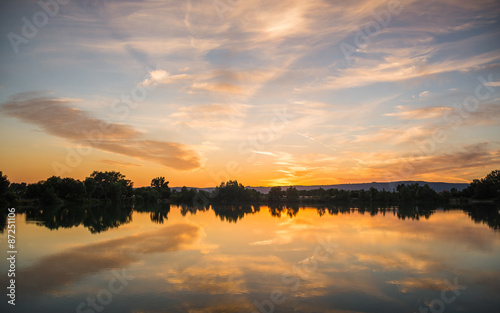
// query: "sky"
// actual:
[[265, 92]]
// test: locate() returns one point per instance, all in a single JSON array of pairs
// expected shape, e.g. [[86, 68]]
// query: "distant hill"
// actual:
[[438, 187]]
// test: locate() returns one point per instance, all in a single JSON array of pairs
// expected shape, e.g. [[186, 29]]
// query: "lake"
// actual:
[[255, 259]]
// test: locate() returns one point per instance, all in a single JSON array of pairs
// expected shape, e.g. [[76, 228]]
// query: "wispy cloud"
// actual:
[[120, 163], [214, 115], [417, 114], [162, 77], [398, 68], [56, 117], [474, 160]]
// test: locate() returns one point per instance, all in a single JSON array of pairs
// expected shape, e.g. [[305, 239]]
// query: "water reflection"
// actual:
[[233, 213], [55, 271], [104, 217], [158, 211], [228, 258], [185, 209], [488, 214], [95, 218], [288, 210]]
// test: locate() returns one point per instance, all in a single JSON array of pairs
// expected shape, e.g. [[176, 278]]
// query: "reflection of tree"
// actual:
[[414, 212], [104, 218], [334, 209], [485, 213], [96, 219], [290, 210], [403, 212], [158, 212], [233, 213], [3, 219], [192, 209], [101, 218], [159, 216]]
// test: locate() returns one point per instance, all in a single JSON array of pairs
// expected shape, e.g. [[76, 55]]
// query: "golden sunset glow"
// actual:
[[264, 92]]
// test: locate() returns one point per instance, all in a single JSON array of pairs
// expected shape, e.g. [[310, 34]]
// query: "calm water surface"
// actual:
[[179, 259]]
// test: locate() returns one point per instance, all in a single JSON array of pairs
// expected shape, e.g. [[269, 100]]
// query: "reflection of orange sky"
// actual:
[[235, 258]]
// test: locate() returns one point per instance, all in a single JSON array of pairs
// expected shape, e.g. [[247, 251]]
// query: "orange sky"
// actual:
[[267, 92]]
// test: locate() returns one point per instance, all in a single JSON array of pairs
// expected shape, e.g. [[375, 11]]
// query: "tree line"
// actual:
[[113, 186]]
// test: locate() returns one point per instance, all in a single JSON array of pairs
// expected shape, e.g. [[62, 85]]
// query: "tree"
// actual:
[[5, 195], [493, 180], [292, 194], [275, 194], [185, 195], [147, 195], [231, 192], [485, 188], [161, 186], [108, 185], [49, 196], [158, 182], [34, 191], [71, 189], [90, 186], [4, 184]]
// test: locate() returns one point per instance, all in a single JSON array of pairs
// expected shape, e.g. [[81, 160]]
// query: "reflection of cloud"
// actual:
[[56, 117], [223, 274], [239, 304], [396, 261], [67, 267], [428, 283]]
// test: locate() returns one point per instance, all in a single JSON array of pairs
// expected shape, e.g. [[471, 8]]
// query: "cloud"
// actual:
[[162, 77], [396, 68], [264, 152], [219, 87], [486, 114], [418, 114], [397, 134], [120, 163], [470, 160], [493, 84], [214, 115], [56, 117]]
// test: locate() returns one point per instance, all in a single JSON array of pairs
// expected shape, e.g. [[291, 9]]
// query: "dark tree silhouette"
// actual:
[[275, 194], [161, 186], [292, 194]]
